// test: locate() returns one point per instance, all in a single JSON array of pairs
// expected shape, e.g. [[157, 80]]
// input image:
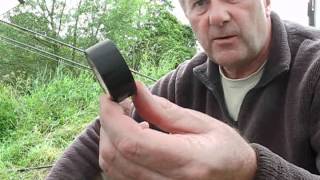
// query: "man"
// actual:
[[258, 75]]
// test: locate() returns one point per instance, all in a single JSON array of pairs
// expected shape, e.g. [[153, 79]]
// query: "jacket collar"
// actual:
[[278, 60]]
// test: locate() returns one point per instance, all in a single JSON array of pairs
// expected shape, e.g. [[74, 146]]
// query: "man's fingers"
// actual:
[[127, 106], [113, 163], [115, 122], [107, 106], [168, 116], [107, 158], [109, 171], [143, 146], [125, 133]]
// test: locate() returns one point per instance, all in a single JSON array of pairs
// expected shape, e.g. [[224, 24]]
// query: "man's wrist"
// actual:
[[250, 165]]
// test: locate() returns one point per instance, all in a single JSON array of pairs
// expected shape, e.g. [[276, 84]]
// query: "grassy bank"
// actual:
[[40, 118]]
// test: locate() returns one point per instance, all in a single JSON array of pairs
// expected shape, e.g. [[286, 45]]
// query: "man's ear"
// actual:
[[183, 7], [267, 5], [182, 4]]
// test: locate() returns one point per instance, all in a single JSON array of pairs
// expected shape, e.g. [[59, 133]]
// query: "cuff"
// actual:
[[269, 165]]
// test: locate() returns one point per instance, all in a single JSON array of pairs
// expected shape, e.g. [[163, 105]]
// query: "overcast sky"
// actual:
[[294, 10]]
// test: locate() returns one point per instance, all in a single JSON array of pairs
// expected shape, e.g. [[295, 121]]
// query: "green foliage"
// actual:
[[145, 31], [45, 105], [147, 34], [164, 44], [8, 113], [48, 119]]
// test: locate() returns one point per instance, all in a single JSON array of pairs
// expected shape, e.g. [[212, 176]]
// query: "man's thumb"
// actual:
[[166, 115]]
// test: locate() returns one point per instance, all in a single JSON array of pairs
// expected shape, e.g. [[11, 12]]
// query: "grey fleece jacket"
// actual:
[[280, 116]]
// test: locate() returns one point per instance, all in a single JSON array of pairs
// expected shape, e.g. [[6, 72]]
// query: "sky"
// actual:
[[294, 10], [5, 5]]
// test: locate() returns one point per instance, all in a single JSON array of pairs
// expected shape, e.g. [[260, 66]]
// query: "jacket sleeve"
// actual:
[[272, 167], [315, 123], [80, 160]]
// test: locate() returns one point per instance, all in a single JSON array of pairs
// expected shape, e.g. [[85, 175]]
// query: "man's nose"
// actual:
[[218, 14]]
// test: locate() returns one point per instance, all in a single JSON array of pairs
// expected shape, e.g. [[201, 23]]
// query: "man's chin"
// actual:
[[227, 58]]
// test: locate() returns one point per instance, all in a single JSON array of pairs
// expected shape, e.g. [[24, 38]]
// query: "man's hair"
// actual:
[[182, 3]]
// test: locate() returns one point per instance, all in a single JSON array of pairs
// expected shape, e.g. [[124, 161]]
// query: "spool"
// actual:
[[111, 70]]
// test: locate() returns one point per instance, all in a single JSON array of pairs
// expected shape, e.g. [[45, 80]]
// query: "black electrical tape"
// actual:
[[111, 70]]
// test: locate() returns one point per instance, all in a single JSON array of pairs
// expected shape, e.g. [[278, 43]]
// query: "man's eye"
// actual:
[[233, 1], [199, 6], [200, 3]]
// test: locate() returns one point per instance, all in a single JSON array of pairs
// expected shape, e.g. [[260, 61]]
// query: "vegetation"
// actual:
[[39, 125], [45, 102]]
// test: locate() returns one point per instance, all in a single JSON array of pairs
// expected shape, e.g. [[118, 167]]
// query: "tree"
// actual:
[[145, 31]]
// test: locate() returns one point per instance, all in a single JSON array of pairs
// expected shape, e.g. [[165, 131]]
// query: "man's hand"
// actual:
[[196, 146]]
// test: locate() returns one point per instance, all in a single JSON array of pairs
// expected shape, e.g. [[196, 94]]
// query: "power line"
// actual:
[[70, 62], [34, 168], [142, 75], [41, 35], [45, 52], [30, 169], [40, 54], [65, 44]]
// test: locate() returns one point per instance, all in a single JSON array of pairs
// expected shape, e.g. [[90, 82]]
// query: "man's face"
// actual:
[[232, 32]]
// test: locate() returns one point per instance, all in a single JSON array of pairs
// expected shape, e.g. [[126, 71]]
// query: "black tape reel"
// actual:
[[111, 70]]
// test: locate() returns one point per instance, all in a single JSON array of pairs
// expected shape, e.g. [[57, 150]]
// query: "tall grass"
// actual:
[[39, 118]]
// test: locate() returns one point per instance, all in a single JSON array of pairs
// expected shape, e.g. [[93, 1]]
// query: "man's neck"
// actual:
[[244, 70]]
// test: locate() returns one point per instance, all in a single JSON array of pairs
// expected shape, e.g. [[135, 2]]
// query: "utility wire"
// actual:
[[41, 35], [45, 52], [34, 168], [40, 54], [65, 44], [34, 35], [142, 75], [30, 169]]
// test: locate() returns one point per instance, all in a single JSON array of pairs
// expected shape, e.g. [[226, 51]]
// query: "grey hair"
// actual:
[[182, 3]]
